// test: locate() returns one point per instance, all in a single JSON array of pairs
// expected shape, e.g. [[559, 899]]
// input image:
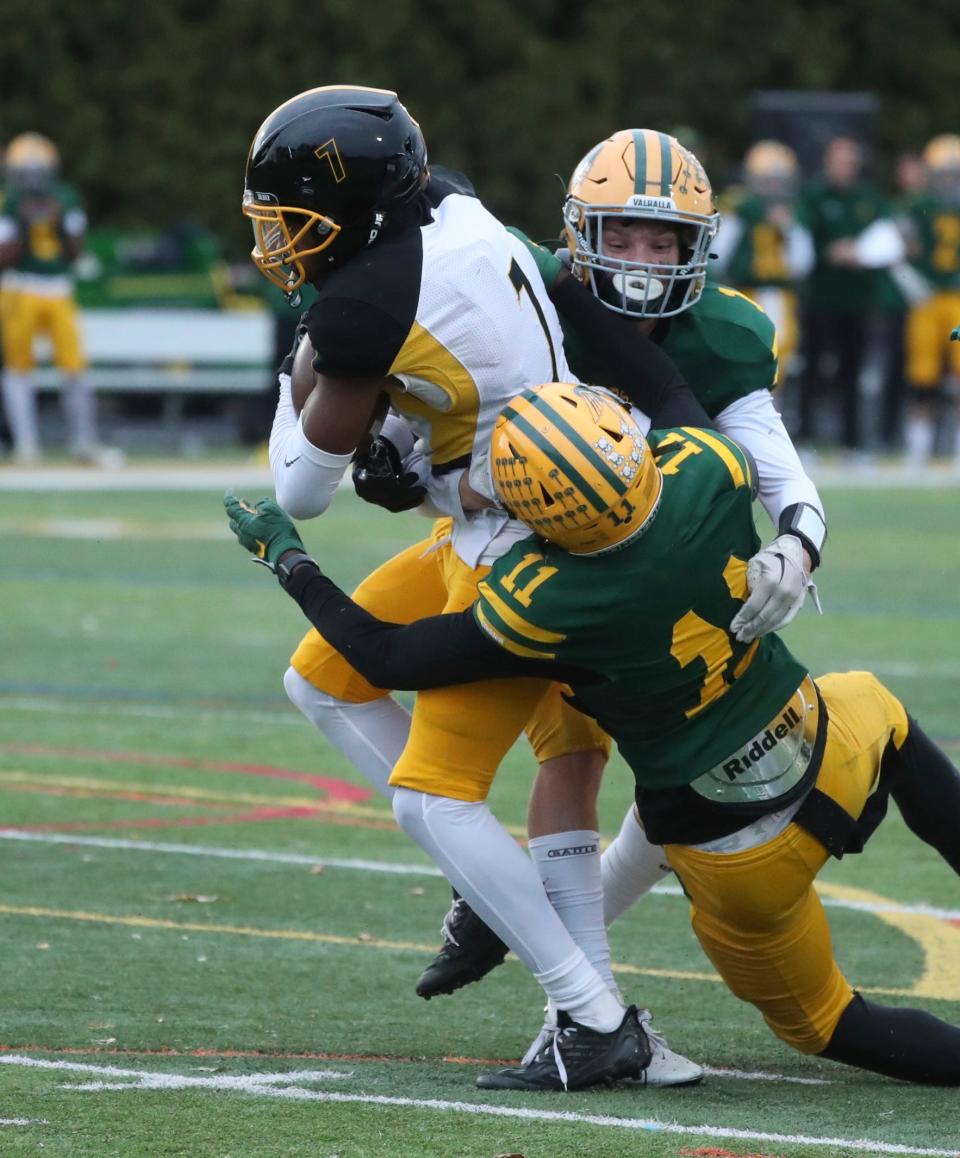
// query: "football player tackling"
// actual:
[[639, 222], [748, 772], [424, 298]]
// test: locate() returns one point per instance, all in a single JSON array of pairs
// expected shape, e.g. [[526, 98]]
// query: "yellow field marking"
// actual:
[[200, 795], [944, 992], [939, 940]]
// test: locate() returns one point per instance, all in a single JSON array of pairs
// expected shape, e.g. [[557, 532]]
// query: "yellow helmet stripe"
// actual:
[[652, 153], [666, 154], [640, 161], [589, 453]]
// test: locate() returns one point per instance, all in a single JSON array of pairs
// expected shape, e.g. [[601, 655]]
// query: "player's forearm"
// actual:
[[784, 485], [305, 478], [640, 369], [429, 653]]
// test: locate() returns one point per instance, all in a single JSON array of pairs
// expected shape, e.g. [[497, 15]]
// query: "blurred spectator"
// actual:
[[933, 363], [763, 248], [898, 287], [854, 237], [41, 233]]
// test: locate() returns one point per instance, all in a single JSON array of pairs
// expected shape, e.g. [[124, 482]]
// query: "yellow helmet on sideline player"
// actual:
[[571, 463], [941, 160], [31, 161], [771, 170]]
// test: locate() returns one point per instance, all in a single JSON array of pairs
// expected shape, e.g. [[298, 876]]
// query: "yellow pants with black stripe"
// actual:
[[756, 912], [458, 735]]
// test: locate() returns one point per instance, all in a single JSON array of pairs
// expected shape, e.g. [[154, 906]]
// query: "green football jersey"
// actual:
[[830, 214], [681, 693], [39, 218], [760, 255], [724, 345], [937, 227]]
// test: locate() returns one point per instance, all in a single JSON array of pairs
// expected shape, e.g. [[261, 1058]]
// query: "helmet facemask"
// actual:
[[641, 289], [283, 236]]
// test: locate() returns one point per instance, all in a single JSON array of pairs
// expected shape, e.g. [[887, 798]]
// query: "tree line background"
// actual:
[[154, 106]]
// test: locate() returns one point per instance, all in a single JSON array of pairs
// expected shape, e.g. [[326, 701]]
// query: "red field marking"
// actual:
[[267, 1055], [338, 790], [716, 1152]]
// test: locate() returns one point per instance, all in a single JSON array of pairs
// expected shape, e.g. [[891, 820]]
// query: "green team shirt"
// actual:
[[760, 256], [39, 221], [937, 228], [725, 346], [830, 214], [681, 694]]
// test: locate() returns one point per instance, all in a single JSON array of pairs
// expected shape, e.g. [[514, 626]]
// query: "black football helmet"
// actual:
[[325, 172]]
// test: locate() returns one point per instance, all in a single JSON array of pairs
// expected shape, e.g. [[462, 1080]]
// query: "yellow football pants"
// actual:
[[780, 305], [458, 735], [930, 353], [756, 913], [26, 316]]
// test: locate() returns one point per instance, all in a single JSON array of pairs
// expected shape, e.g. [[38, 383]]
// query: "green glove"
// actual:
[[549, 265], [264, 529], [955, 335]]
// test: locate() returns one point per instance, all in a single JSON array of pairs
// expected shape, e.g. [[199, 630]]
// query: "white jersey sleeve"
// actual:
[[755, 423]]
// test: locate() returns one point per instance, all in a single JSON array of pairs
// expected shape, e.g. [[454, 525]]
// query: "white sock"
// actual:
[[630, 867], [918, 440], [79, 410], [371, 735], [497, 879], [20, 407], [569, 866]]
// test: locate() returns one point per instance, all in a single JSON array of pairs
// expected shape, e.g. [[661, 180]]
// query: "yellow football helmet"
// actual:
[[941, 159], [771, 170], [571, 463], [643, 175], [31, 161]]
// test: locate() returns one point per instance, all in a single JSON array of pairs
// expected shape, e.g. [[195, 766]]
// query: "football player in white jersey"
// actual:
[[425, 298]]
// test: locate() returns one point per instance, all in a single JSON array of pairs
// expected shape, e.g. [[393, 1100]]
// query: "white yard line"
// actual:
[[247, 854], [275, 1086], [395, 868]]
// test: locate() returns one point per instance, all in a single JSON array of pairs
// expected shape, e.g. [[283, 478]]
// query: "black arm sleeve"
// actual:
[[639, 368], [429, 653]]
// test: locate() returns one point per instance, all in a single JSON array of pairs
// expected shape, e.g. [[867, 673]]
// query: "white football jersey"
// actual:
[[465, 324]]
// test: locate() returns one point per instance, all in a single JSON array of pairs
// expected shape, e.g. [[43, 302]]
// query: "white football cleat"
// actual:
[[666, 1067]]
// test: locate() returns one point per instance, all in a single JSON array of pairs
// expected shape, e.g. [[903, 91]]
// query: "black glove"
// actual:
[[286, 366], [379, 477]]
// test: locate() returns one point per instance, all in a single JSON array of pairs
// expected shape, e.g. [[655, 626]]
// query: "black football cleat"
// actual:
[[470, 950], [576, 1057]]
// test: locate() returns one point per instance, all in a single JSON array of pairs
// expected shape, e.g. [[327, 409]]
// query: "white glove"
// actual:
[[778, 585]]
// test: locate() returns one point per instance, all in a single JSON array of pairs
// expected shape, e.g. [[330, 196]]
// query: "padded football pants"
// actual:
[[458, 735], [756, 912]]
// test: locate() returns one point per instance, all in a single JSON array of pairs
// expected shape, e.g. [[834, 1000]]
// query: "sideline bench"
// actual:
[[175, 353]]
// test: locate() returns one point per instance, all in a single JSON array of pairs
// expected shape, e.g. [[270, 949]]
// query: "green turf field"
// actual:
[[212, 932]]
